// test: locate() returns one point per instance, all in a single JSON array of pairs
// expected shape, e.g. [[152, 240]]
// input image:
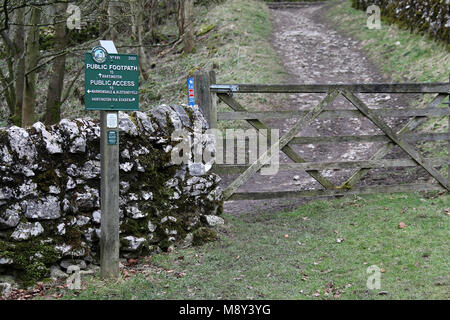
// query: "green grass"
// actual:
[[402, 55], [255, 260]]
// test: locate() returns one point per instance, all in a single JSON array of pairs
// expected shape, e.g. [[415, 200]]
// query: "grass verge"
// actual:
[[319, 251], [400, 54]]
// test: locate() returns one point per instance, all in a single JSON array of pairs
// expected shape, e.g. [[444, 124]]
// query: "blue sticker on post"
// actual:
[[191, 92]]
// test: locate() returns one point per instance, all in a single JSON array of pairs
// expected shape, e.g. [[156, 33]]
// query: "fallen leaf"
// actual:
[[402, 225], [382, 270]]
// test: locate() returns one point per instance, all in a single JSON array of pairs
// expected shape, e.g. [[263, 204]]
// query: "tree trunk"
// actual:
[[180, 17], [56, 84], [189, 26], [103, 17], [113, 16], [134, 13], [137, 12], [19, 72], [31, 60]]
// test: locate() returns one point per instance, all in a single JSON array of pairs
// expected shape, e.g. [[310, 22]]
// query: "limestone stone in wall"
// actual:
[[49, 190]]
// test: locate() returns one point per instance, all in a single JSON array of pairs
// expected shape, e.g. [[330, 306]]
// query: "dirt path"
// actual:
[[312, 52]]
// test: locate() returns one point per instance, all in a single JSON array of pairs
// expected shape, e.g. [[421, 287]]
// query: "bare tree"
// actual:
[[19, 66], [56, 84], [189, 26], [31, 61], [113, 16], [180, 17], [137, 29]]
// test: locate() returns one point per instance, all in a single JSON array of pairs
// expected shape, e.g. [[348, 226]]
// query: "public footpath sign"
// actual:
[[111, 81], [191, 92], [111, 85]]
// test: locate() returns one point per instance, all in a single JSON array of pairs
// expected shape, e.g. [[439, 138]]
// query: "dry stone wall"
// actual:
[[49, 191]]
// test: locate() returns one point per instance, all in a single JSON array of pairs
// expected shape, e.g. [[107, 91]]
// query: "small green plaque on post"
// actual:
[[111, 81], [112, 137]]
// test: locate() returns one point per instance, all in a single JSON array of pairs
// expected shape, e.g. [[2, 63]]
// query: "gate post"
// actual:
[[212, 80], [203, 97]]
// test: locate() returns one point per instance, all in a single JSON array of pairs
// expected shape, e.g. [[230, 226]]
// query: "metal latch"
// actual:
[[224, 88]]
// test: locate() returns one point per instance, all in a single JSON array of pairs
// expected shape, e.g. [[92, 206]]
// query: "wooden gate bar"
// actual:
[[338, 192], [410, 137], [286, 149], [331, 114], [284, 140], [324, 88], [409, 149], [383, 151], [337, 165]]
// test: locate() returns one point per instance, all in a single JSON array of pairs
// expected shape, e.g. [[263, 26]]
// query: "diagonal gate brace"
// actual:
[[288, 150], [299, 126], [408, 148]]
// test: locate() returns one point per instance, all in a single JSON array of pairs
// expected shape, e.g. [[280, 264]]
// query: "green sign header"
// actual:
[[111, 81]]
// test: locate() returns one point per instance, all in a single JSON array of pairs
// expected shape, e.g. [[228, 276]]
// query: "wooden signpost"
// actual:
[[111, 85]]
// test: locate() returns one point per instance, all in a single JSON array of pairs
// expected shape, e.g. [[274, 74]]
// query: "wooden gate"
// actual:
[[207, 92]]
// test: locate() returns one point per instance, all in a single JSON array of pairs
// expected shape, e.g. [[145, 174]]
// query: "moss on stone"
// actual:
[[31, 258], [46, 179], [73, 237], [137, 228], [203, 235]]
